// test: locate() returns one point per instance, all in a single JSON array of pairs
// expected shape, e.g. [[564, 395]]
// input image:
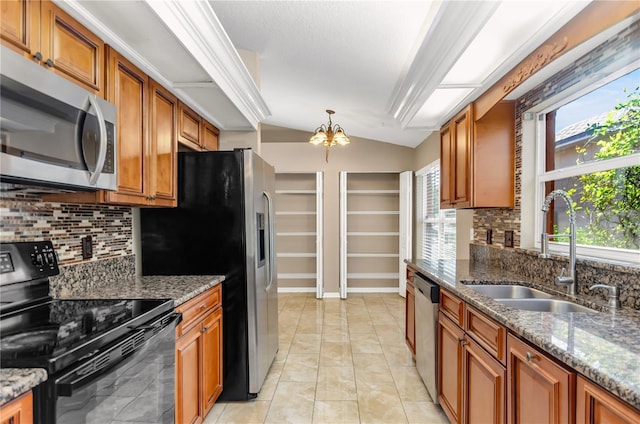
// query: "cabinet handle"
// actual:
[[38, 56], [462, 341], [204, 330], [49, 63], [530, 357], [204, 306]]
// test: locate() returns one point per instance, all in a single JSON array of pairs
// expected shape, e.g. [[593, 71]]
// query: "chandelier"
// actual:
[[329, 135]]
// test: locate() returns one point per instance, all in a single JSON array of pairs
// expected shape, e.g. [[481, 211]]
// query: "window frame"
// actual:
[[440, 220], [542, 176]]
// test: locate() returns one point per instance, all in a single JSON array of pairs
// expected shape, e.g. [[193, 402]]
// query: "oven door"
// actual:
[[131, 381]]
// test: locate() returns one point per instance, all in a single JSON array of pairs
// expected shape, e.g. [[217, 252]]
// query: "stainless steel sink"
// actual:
[[509, 291], [544, 305]]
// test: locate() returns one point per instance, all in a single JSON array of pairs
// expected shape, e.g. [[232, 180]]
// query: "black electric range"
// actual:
[[90, 348]]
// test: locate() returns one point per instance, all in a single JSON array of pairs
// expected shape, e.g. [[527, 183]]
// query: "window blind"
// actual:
[[438, 227]]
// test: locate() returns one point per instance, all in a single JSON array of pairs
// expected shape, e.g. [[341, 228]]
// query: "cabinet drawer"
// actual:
[[193, 310], [488, 333], [452, 307], [410, 273]]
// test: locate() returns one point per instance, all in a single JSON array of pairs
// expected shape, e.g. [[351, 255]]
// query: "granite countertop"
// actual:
[[180, 288], [14, 381], [603, 345]]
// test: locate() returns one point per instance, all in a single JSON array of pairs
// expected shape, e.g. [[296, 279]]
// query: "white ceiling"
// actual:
[[392, 70]]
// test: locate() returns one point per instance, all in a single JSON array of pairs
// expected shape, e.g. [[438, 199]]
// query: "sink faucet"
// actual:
[[562, 279]]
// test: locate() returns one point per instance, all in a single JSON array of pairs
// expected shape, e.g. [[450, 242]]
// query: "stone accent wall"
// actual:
[[622, 48], [543, 271], [25, 216]]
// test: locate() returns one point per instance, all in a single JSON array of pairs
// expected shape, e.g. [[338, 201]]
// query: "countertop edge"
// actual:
[[17, 381]]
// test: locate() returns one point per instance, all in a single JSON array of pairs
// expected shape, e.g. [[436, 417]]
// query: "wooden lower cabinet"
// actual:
[[484, 386], [450, 357], [410, 315], [212, 366], [199, 357], [596, 406], [538, 389], [189, 377], [18, 411]]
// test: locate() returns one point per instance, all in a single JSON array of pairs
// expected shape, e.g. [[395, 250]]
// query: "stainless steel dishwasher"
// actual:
[[427, 299]]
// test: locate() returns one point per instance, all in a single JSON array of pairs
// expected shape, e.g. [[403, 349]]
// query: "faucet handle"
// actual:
[[614, 292]]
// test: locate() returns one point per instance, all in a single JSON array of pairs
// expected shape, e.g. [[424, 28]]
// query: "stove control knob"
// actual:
[[39, 259], [49, 259]]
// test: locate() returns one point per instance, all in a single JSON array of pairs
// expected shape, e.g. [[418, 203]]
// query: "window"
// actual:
[[589, 146], [437, 227]]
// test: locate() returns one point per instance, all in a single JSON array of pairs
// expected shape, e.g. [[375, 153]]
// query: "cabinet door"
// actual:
[[450, 349], [163, 146], [211, 359], [410, 318], [539, 390], [71, 50], [596, 406], [189, 377], [20, 26], [461, 153], [128, 91], [485, 385], [209, 136], [446, 176], [189, 127]]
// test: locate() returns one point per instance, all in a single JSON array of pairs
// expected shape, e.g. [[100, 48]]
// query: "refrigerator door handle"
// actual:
[[271, 231]]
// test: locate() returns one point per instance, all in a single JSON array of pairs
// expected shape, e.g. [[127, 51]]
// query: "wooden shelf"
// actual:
[[297, 276], [296, 255], [373, 276], [373, 191], [373, 213], [296, 192], [373, 255], [296, 234], [373, 233], [300, 213]]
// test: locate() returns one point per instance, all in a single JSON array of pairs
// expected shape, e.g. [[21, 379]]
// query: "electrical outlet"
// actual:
[[508, 238], [87, 247], [489, 236]]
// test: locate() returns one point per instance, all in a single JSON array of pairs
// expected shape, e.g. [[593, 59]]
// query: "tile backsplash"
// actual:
[[26, 216]]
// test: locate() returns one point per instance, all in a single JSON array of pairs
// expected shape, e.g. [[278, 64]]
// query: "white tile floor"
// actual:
[[340, 361]]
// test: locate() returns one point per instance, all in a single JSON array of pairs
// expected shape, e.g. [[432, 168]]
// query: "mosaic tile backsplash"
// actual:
[[544, 271], [25, 216]]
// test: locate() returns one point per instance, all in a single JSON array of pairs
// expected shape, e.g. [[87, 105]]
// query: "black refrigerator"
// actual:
[[224, 225]]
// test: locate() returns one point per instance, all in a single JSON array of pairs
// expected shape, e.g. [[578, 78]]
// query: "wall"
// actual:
[[619, 49], [359, 156], [25, 216]]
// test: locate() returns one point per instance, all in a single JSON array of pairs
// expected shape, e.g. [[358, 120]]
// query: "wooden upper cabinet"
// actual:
[[477, 159], [596, 406], [41, 31], [128, 90], [538, 389], [163, 146], [71, 50], [445, 167], [209, 136], [189, 127], [20, 26], [461, 154]]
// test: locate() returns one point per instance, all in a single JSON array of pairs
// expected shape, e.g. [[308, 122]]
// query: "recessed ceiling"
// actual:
[[359, 57]]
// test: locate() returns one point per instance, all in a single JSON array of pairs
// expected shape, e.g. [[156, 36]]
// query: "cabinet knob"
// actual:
[[38, 56], [49, 63], [530, 357], [204, 306]]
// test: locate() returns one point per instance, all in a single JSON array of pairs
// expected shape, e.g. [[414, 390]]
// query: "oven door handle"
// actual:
[[105, 360]]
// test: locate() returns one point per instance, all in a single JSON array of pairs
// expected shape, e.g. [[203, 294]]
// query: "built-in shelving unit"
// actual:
[[373, 231], [299, 231]]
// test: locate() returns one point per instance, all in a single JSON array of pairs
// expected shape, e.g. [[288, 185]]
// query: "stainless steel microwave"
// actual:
[[53, 132]]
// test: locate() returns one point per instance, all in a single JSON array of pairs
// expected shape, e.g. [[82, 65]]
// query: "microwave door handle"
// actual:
[[102, 154]]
